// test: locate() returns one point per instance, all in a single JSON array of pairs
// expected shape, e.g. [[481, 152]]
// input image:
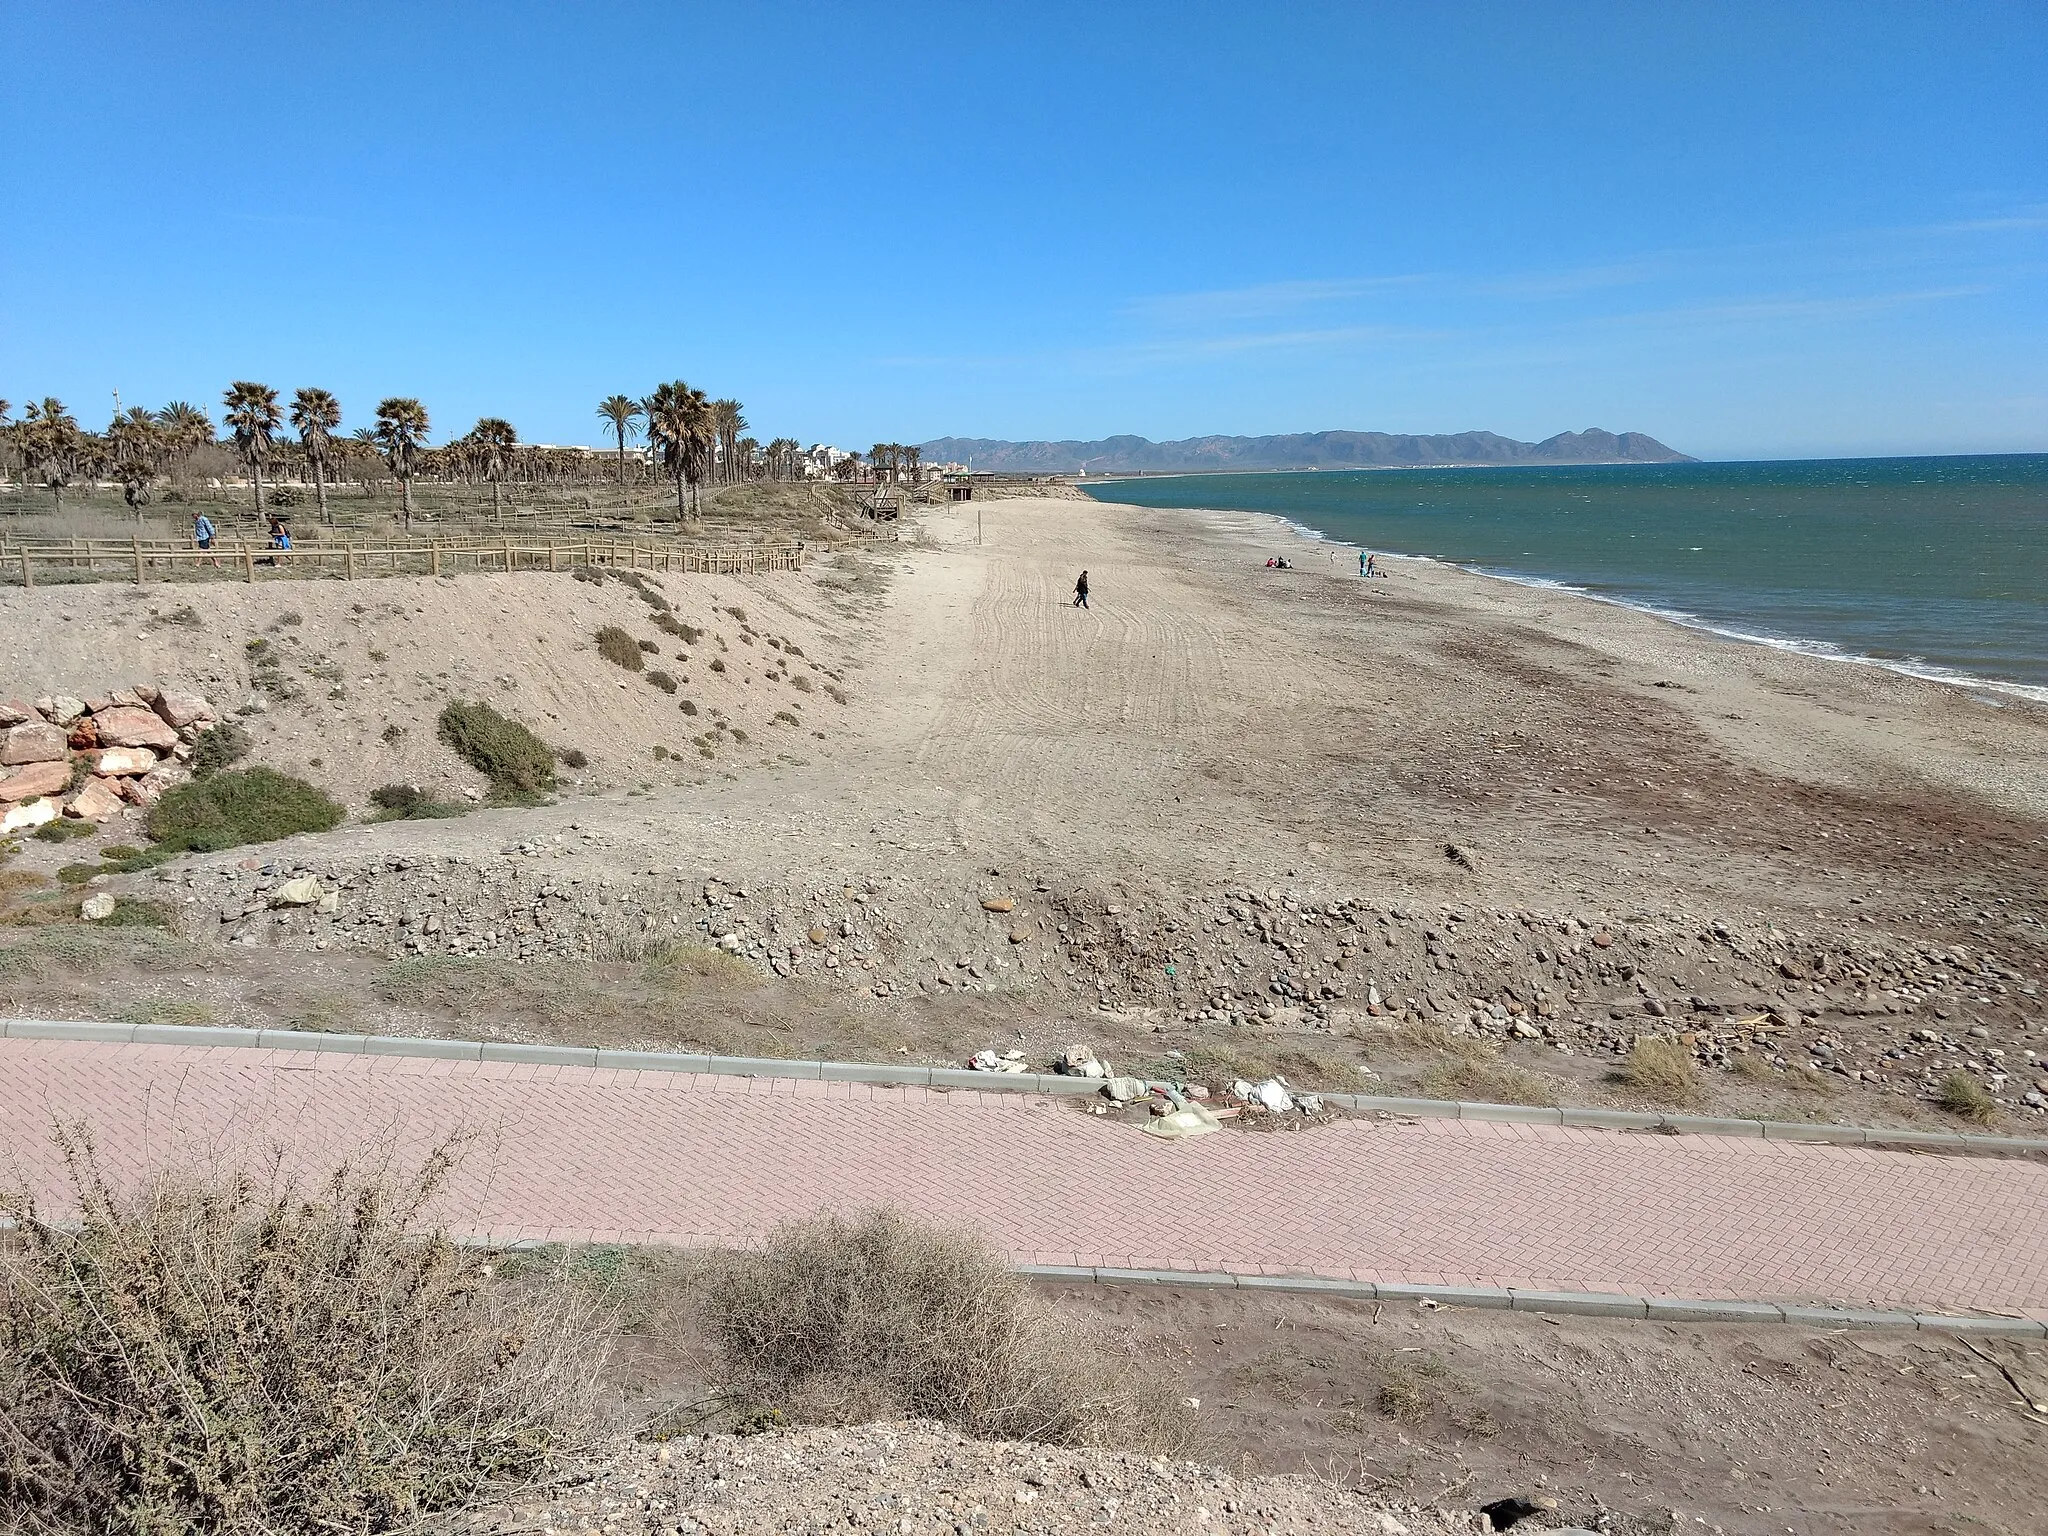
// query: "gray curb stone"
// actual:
[[1661, 1309], [982, 1082], [1578, 1303]]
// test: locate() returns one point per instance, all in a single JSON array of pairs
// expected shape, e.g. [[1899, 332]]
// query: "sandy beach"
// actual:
[[1260, 816]]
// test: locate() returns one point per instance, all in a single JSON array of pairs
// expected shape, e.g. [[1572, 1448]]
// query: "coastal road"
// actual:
[[584, 1154]]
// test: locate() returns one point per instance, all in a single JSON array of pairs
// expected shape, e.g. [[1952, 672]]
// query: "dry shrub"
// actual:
[[1489, 1080], [849, 1319], [1440, 1039], [1661, 1070], [241, 1355]]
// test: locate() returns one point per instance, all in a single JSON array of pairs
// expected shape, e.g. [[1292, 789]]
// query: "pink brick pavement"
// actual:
[[572, 1153]]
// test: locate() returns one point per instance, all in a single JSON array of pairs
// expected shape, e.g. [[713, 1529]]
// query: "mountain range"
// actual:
[[1296, 450]]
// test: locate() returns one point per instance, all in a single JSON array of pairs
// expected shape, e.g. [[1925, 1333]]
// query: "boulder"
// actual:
[[16, 712], [96, 908], [997, 904], [61, 709], [150, 788], [35, 742], [183, 709], [130, 725], [83, 735], [35, 779], [26, 818], [96, 802], [124, 760], [305, 891]]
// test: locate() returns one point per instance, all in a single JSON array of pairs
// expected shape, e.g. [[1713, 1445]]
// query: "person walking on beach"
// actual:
[[1364, 569], [202, 535], [1081, 591]]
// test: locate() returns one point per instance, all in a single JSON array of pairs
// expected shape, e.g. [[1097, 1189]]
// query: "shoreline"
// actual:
[[1810, 647]]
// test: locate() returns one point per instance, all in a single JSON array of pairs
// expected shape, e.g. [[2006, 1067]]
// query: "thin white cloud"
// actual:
[[1742, 310], [1259, 301]]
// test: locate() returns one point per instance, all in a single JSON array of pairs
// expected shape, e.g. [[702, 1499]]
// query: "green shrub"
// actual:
[[662, 681], [219, 746], [517, 762], [393, 732], [802, 683], [237, 806], [619, 648], [120, 851], [78, 874], [574, 757], [1661, 1069], [689, 706], [63, 830], [396, 797]]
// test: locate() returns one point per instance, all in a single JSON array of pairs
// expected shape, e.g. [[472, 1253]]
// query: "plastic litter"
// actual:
[[989, 1061]]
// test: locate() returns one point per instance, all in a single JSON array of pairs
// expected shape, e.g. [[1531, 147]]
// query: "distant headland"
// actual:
[[1298, 450]]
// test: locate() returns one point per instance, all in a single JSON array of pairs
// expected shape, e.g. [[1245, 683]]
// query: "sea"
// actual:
[[1936, 567]]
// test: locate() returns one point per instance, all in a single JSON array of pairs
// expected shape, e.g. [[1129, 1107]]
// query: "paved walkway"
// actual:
[[572, 1153]]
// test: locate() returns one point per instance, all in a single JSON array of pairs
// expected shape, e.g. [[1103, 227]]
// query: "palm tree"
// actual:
[[493, 439], [253, 417], [316, 414], [912, 461], [744, 450], [134, 442], [51, 441], [401, 433], [622, 411], [728, 423], [362, 444], [186, 429], [883, 457], [679, 425]]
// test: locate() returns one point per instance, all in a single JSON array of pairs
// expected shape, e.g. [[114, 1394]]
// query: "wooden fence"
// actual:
[[140, 560]]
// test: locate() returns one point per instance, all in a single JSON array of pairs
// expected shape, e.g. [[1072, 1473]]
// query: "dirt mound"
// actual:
[[920, 1477]]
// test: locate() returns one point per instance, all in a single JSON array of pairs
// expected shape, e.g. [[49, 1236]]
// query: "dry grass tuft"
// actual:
[[1961, 1094], [242, 1355], [851, 1319], [619, 648], [1661, 1070], [1489, 1080]]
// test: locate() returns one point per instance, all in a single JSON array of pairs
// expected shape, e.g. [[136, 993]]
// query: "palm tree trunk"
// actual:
[[405, 496], [681, 510], [256, 482], [320, 491], [498, 499]]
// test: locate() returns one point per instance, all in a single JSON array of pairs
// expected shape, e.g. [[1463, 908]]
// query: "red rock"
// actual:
[[150, 788], [1603, 940], [133, 726], [32, 743], [16, 712], [96, 802], [183, 709], [84, 735], [124, 760], [35, 779]]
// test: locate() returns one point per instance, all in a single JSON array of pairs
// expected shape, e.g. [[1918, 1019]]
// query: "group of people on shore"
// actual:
[[1368, 566]]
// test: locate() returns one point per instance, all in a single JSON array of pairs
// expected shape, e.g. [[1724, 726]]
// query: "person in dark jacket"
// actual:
[[1081, 591]]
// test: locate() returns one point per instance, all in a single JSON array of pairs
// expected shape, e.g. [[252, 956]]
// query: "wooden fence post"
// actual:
[[508, 557], [28, 572], [551, 557], [349, 556], [249, 564], [138, 562], [434, 558]]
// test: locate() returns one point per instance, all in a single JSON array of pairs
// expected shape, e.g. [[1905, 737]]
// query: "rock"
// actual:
[[83, 735], [96, 908], [62, 709], [115, 761], [182, 709], [150, 788], [305, 891], [1603, 940], [1079, 1061], [16, 712], [1019, 936], [818, 936], [130, 725], [35, 742], [35, 779], [97, 801], [1387, 1525], [997, 904], [1124, 1090], [26, 818]]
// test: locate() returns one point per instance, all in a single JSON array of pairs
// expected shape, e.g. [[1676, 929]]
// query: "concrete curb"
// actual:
[[886, 1074], [1667, 1309]]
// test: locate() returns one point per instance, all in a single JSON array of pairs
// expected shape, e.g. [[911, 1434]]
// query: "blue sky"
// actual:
[[1750, 230]]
